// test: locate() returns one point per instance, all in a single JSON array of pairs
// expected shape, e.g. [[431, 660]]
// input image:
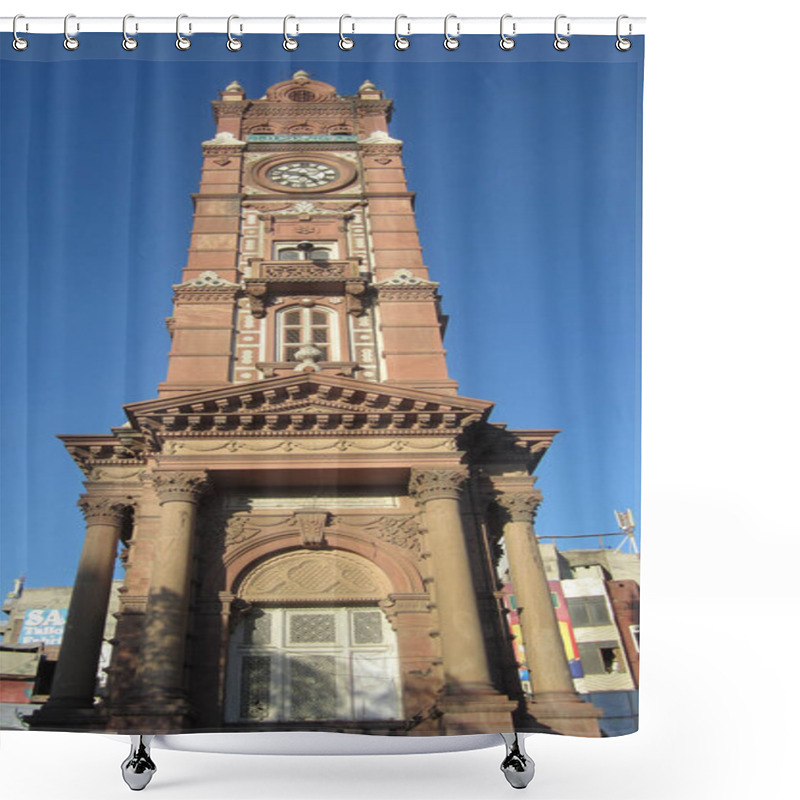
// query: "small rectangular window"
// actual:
[[588, 612]]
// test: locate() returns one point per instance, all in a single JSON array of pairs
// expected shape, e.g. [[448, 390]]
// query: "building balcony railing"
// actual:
[[317, 271]]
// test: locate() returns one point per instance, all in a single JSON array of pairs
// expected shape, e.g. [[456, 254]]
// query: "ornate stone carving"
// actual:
[[307, 356], [405, 286], [103, 510], [207, 278], [404, 532], [520, 506], [206, 288], [330, 575], [312, 527], [223, 138], [435, 484], [239, 530], [185, 486]]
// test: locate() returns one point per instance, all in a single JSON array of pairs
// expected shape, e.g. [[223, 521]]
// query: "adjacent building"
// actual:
[[30, 643]]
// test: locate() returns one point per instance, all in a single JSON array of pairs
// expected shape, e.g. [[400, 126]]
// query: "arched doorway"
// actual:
[[313, 644]]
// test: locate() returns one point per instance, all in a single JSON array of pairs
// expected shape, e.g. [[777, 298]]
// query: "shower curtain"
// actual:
[[313, 338]]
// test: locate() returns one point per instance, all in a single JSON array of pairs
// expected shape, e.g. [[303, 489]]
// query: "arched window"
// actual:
[[302, 326]]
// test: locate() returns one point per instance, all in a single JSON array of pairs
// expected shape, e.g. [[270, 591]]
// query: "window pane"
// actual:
[[291, 318], [291, 335], [320, 255], [254, 688], [258, 627], [312, 628], [319, 318], [288, 254], [367, 628], [319, 335], [288, 353], [313, 687]]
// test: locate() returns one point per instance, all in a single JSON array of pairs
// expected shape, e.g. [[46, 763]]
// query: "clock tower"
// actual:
[[309, 513]]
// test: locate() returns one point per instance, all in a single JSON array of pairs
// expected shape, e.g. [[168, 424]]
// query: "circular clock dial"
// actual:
[[302, 174]]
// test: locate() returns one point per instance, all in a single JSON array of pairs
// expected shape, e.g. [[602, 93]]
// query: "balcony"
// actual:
[[305, 276]]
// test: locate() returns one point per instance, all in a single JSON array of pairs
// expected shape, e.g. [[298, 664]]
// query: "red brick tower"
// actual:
[[309, 511]]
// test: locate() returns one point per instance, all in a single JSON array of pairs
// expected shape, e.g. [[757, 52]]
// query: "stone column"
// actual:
[[463, 648], [76, 673], [160, 682], [553, 690]]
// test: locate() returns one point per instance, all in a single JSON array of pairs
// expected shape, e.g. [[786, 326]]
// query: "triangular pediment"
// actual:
[[308, 402]]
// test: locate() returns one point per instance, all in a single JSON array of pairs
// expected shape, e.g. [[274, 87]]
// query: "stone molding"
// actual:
[[437, 484], [103, 510], [520, 506], [206, 288], [180, 486]]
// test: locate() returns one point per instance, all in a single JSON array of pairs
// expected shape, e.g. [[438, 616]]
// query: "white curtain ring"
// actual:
[[128, 42], [289, 43], [507, 42], [70, 42], [561, 44], [451, 42], [19, 44], [233, 44], [345, 43], [401, 42], [181, 42], [622, 44]]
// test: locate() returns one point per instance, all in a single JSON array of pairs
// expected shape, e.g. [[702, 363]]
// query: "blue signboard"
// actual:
[[44, 625]]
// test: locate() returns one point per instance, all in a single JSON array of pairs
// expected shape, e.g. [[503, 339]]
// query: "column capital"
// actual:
[[103, 510], [520, 506], [434, 484], [188, 486]]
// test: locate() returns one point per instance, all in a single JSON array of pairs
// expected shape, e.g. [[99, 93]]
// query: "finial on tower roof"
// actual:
[[301, 76], [367, 85], [234, 86]]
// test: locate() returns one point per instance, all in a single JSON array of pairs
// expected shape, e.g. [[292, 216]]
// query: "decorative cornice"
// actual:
[[437, 484], [404, 286], [311, 405], [123, 447], [206, 288], [520, 506], [180, 486], [103, 510]]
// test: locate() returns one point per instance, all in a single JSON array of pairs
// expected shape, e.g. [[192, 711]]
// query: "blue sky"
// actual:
[[527, 169]]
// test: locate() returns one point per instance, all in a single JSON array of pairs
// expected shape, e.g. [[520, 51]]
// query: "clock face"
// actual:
[[303, 174]]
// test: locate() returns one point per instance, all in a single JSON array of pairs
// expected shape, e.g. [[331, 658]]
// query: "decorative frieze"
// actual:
[[436, 484], [183, 486]]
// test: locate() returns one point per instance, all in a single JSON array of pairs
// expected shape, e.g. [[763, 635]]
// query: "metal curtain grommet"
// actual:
[[401, 42], [507, 42], [70, 42], [345, 43], [289, 43], [622, 44], [233, 44], [128, 42], [19, 44], [560, 42], [451, 42], [181, 42]]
